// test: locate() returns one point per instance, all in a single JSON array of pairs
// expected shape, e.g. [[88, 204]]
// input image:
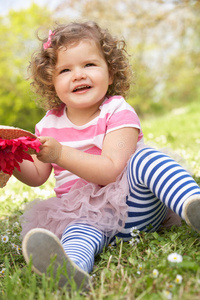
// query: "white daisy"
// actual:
[[178, 279], [18, 249], [4, 238], [175, 257], [16, 224], [134, 241], [167, 294], [155, 273], [14, 246], [134, 231], [170, 286], [140, 267], [3, 271]]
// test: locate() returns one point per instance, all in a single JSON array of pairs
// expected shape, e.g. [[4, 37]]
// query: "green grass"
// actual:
[[178, 130], [124, 271]]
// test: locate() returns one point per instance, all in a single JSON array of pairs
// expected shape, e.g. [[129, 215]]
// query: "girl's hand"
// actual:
[[50, 150]]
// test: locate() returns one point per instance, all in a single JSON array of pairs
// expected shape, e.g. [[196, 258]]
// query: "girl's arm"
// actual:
[[33, 173], [102, 169]]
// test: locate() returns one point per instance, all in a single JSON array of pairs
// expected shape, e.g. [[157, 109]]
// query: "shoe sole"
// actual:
[[191, 212], [41, 246]]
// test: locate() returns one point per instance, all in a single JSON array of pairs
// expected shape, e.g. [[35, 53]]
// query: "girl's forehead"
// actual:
[[86, 43]]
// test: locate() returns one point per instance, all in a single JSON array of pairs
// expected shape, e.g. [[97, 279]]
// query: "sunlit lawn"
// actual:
[[178, 130], [125, 271]]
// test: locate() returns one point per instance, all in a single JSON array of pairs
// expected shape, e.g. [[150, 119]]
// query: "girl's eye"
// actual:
[[90, 65], [64, 71]]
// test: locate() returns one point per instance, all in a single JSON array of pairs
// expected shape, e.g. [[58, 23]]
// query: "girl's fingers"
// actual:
[[42, 139]]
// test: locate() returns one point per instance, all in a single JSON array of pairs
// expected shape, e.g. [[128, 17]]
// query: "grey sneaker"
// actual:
[[191, 212], [42, 246]]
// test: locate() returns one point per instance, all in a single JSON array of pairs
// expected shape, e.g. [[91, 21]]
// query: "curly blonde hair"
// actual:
[[43, 62]]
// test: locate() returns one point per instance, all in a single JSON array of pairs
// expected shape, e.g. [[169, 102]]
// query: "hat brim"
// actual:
[[9, 133]]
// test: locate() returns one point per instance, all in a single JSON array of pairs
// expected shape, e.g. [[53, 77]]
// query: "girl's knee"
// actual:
[[146, 152], [142, 156]]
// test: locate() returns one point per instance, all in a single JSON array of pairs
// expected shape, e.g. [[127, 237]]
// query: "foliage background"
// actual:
[[162, 38]]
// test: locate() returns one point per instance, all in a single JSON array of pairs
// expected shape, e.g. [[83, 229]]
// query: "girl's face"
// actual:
[[81, 77]]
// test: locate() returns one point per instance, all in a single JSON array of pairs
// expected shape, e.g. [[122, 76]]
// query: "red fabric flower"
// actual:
[[14, 151]]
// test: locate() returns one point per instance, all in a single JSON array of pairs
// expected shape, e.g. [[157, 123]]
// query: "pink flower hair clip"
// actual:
[[48, 43]]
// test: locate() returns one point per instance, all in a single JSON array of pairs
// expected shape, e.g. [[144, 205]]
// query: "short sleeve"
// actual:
[[37, 133], [121, 115]]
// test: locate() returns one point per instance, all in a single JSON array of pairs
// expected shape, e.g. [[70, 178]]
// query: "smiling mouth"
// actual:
[[81, 88]]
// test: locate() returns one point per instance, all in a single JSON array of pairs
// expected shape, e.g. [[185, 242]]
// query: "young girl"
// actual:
[[107, 180]]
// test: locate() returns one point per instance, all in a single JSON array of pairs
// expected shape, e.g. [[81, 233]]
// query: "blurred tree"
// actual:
[[163, 37], [17, 41], [182, 80]]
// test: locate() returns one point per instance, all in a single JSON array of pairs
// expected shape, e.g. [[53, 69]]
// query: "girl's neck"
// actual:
[[82, 116]]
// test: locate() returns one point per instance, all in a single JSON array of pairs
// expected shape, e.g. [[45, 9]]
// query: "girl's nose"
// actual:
[[78, 74]]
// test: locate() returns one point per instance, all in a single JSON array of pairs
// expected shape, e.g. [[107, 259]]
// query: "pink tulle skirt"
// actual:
[[104, 208]]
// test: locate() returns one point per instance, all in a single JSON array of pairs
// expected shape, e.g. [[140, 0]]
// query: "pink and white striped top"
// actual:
[[115, 113]]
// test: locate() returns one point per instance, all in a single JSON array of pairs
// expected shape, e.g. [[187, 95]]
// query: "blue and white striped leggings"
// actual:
[[156, 182]]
